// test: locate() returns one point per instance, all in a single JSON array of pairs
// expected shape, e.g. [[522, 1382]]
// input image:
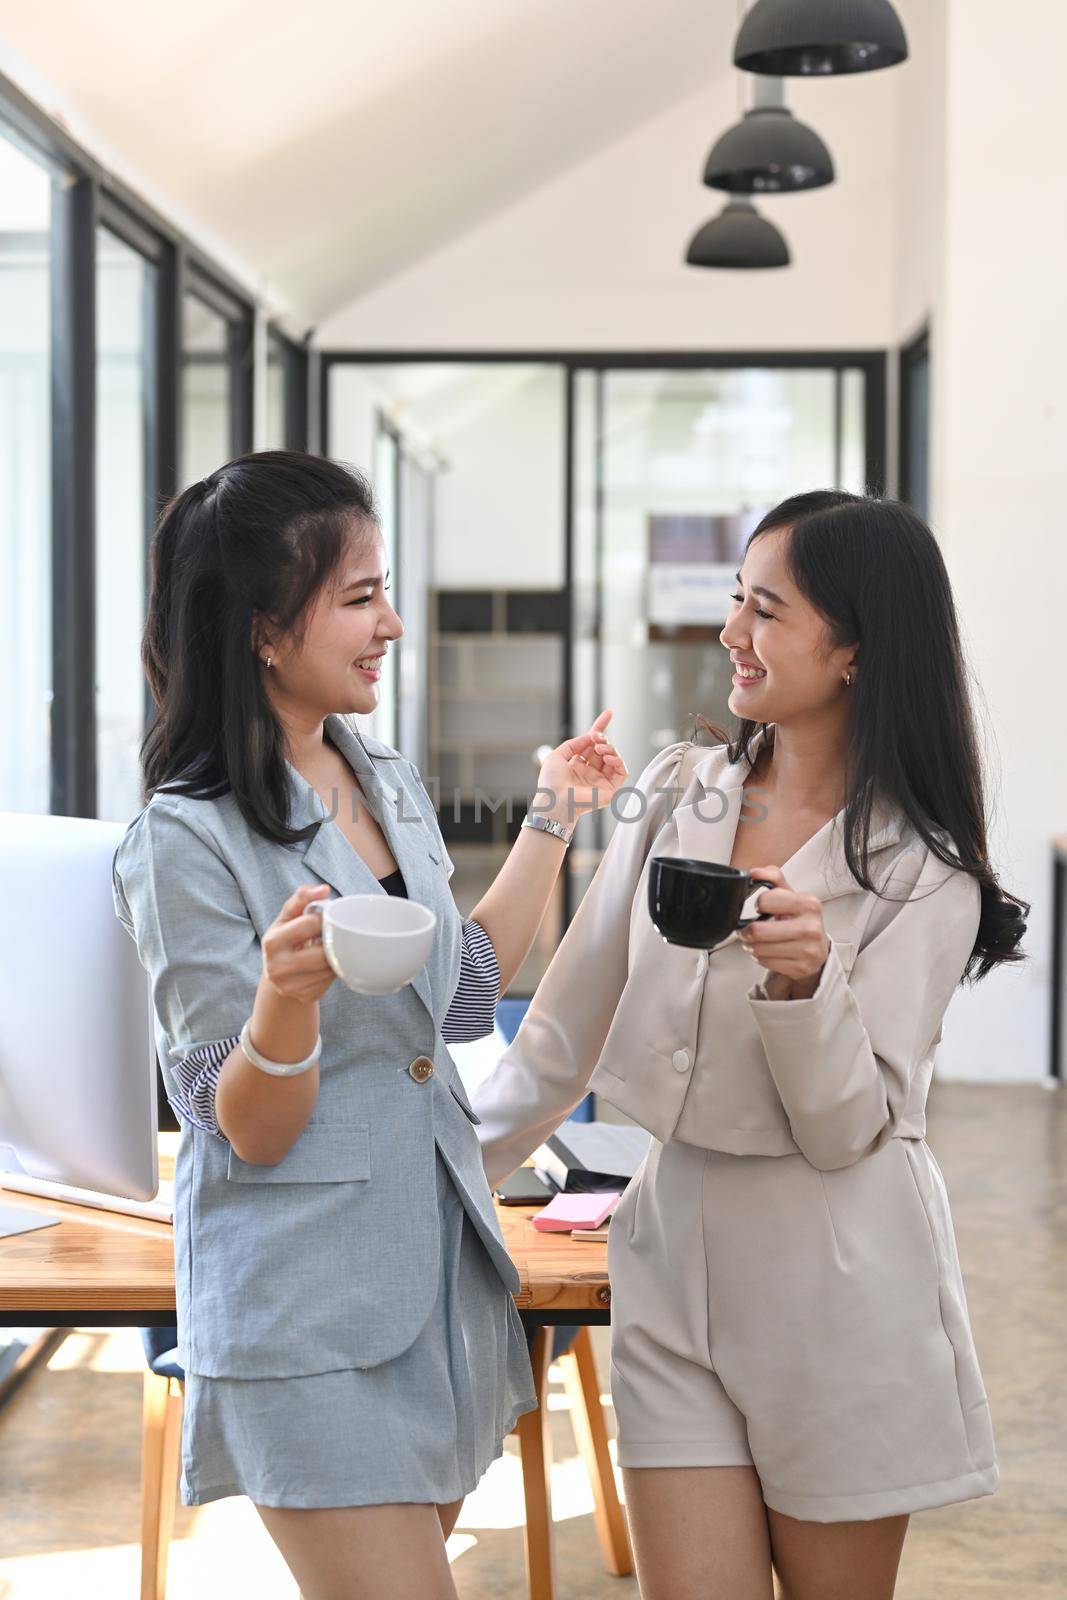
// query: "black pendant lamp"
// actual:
[[769, 151], [738, 238], [810, 38]]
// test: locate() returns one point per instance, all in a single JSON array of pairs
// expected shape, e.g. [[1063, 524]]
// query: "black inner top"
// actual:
[[394, 883]]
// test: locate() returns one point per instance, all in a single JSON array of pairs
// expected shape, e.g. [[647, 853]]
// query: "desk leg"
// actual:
[[587, 1420], [161, 1432], [535, 1451]]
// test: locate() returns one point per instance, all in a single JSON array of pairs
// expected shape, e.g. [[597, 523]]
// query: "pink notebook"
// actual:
[[568, 1211]]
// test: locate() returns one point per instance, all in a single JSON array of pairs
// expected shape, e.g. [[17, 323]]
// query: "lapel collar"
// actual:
[[706, 818], [332, 858], [819, 866], [706, 828]]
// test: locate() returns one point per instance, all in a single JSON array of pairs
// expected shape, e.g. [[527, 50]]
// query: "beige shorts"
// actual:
[[810, 1324]]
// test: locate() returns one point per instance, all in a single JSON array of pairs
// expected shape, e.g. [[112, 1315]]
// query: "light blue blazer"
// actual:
[[329, 1259]]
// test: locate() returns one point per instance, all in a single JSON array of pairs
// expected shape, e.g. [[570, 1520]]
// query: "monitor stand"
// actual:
[[159, 1209]]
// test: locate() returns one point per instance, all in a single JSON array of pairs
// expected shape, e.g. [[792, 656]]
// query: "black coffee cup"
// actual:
[[698, 903]]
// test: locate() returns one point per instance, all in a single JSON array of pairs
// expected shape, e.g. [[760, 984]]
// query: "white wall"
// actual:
[[919, 169], [500, 494], [1004, 463], [495, 436], [594, 259], [353, 405]]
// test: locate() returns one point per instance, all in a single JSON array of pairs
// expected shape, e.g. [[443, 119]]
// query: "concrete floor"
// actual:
[[69, 1465]]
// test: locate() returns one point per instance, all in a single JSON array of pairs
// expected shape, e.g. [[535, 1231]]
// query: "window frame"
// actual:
[[913, 355], [86, 194], [295, 368], [238, 314], [162, 413]]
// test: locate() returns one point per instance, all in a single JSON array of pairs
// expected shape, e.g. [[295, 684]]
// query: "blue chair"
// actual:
[[509, 1013], [587, 1419], [534, 1434], [161, 1352]]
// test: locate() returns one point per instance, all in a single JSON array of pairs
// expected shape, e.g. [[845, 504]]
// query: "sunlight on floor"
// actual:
[[101, 1350], [224, 1545], [498, 1502], [459, 1544], [229, 1552]]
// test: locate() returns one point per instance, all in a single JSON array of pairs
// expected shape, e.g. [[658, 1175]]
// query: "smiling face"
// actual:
[[774, 630], [351, 621]]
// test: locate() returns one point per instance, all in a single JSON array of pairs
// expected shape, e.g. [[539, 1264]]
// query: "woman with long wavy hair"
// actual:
[[793, 1368]]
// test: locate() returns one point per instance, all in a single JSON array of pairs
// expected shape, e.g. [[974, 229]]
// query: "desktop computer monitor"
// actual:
[[78, 1109]]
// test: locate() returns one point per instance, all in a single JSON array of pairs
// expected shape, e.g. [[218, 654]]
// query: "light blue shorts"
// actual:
[[421, 1427]]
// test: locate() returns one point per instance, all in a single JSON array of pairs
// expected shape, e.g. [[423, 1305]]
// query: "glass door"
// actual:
[[672, 468], [387, 491]]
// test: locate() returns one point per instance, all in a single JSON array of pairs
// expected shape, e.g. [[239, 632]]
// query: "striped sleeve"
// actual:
[[470, 1016], [198, 1077]]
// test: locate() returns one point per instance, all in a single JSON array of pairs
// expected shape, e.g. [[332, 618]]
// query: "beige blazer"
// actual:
[[694, 1045]]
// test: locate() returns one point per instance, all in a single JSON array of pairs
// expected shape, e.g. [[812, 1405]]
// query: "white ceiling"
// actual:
[[331, 146]]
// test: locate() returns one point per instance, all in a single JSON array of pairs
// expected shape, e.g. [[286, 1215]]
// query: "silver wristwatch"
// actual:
[[549, 825]]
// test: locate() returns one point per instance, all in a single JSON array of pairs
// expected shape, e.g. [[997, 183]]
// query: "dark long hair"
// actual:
[[874, 571], [262, 535]]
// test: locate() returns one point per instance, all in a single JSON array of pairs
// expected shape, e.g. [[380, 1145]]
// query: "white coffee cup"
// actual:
[[376, 943]]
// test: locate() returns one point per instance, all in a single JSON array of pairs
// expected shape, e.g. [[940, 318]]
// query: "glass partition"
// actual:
[[386, 476], [125, 423], [468, 461], [673, 468], [207, 389], [275, 428], [543, 613], [25, 482]]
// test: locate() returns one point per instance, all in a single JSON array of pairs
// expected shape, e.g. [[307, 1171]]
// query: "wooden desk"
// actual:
[[562, 1279], [104, 1269]]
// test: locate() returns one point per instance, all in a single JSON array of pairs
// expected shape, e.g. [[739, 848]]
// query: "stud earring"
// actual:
[[270, 661], [848, 679]]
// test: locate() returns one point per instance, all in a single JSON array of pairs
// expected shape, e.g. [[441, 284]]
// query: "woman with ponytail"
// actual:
[[352, 1351], [793, 1368]]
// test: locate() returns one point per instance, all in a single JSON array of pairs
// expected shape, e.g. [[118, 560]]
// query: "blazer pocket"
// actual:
[[471, 1113], [325, 1152]]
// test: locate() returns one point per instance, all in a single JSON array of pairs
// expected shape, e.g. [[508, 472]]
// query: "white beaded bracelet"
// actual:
[[277, 1069]]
